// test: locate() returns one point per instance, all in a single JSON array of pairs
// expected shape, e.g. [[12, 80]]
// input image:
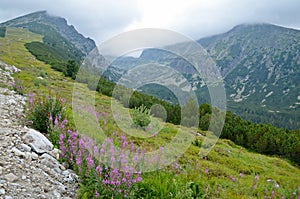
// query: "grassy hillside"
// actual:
[[228, 171]]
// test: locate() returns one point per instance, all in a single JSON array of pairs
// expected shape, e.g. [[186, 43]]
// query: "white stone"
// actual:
[[25, 147], [2, 191], [18, 152], [37, 141], [11, 177], [56, 195], [34, 156]]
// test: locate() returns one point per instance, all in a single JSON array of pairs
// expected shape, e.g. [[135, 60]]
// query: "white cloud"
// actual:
[[102, 19]]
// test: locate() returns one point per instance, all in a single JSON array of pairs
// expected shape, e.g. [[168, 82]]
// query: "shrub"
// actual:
[[44, 110], [43, 74], [141, 116]]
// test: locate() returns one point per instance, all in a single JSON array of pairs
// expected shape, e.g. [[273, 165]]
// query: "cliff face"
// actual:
[[29, 167]]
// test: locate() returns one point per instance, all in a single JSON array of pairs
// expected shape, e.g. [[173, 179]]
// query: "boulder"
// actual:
[[37, 141]]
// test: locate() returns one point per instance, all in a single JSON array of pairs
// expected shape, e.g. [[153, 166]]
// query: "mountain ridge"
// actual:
[[259, 63], [60, 24]]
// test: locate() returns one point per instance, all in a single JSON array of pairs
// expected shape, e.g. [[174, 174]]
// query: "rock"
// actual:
[[2, 191], [55, 153], [12, 101], [37, 141], [18, 152], [70, 176], [66, 173], [28, 155], [57, 170], [1, 170], [11, 177], [62, 167], [49, 161], [25, 147], [56, 195], [34, 156]]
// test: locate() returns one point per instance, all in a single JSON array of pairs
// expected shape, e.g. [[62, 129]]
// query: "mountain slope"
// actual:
[[59, 24], [260, 67], [62, 46]]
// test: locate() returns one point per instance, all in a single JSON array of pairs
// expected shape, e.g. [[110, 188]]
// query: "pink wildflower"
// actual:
[[56, 121], [206, 170]]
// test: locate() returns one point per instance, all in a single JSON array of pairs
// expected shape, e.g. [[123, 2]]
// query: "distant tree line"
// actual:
[[2, 31]]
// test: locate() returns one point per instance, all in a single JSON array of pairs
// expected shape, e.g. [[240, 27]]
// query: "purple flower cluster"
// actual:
[[112, 168]]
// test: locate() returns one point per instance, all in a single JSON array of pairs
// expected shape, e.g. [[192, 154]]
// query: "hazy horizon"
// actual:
[[101, 20]]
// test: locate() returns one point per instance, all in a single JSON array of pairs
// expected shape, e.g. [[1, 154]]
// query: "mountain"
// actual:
[[62, 46], [260, 67], [58, 24]]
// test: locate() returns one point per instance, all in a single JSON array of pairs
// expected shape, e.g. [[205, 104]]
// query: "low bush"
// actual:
[[43, 111], [141, 116]]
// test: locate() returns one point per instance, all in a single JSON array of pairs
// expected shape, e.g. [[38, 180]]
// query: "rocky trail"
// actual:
[[28, 162]]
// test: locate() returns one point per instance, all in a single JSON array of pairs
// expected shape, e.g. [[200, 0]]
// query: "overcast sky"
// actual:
[[103, 19]]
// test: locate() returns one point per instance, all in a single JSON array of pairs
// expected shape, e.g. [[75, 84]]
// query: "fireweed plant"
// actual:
[[106, 170], [43, 111]]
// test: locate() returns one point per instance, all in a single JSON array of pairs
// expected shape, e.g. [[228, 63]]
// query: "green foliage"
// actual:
[[168, 184], [43, 74], [141, 116], [63, 58], [71, 69], [85, 193], [159, 92], [18, 86], [2, 31], [47, 54], [41, 109], [53, 39], [190, 113], [262, 138], [137, 99]]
